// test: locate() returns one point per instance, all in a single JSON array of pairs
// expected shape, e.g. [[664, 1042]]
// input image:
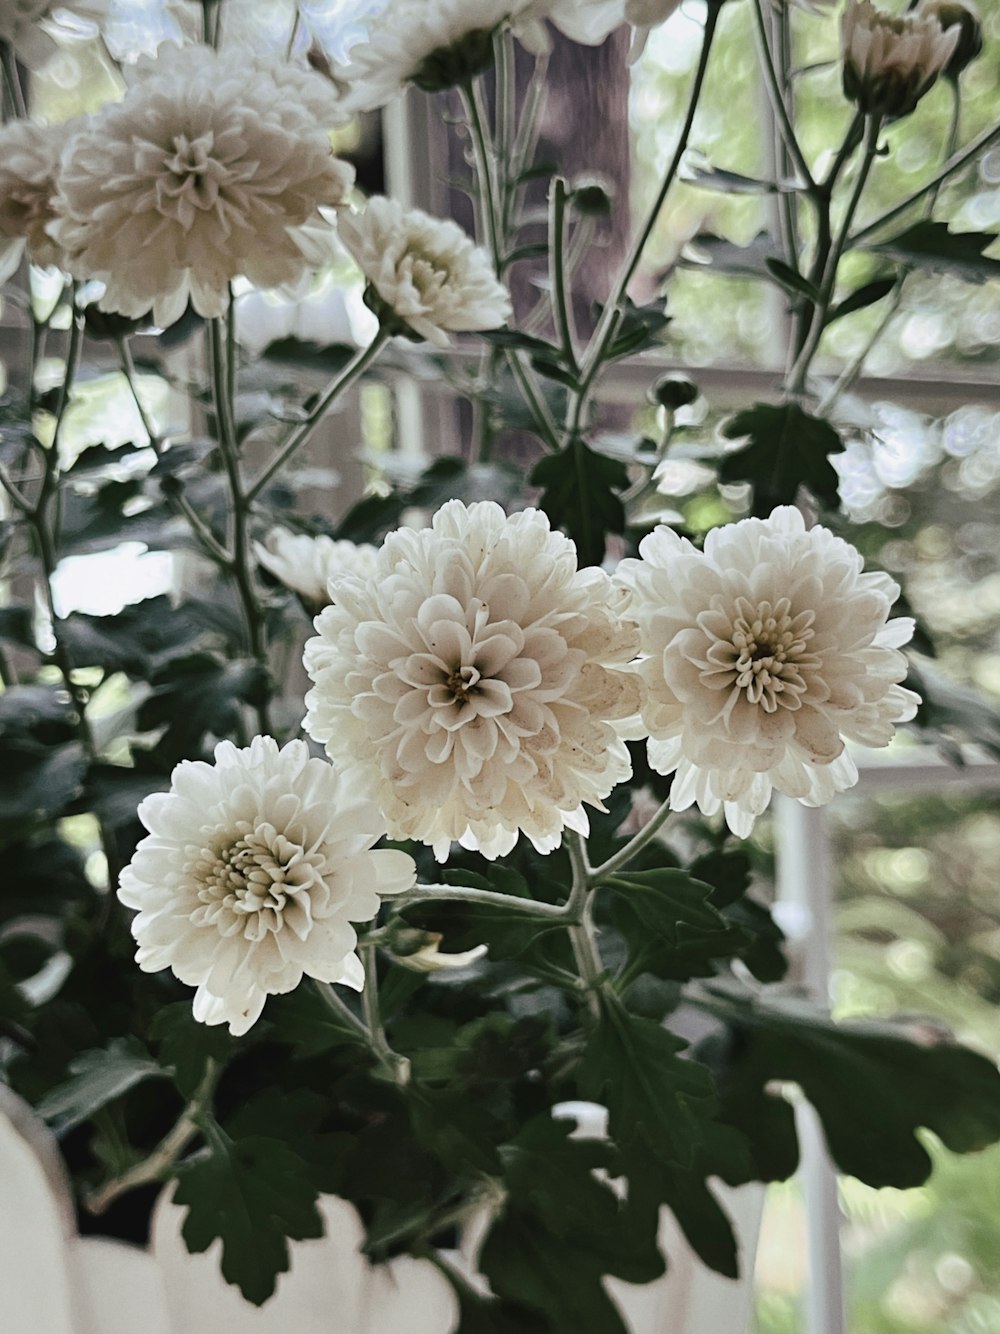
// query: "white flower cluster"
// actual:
[[477, 685], [761, 654], [479, 678], [209, 169], [29, 164], [252, 872], [309, 565], [425, 270]]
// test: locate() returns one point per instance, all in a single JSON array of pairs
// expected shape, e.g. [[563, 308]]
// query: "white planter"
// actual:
[[56, 1282]]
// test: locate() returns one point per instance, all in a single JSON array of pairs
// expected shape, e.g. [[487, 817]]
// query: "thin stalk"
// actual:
[[293, 35], [399, 1066], [562, 312], [199, 527], [776, 95], [475, 113], [612, 313], [582, 935], [241, 566], [164, 1156], [851, 372], [505, 117], [633, 847], [955, 163], [301, 434], [800, 371], [579, 243], [545, 423], [526, 138], [13, 81], [464, 894]]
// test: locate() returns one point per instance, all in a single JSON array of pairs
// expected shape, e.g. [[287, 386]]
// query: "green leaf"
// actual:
[[97, 1078], [698, 171], [873, 1084], [186, 1047], [669, 921], [197, 695], [304, 1020], [640, 327], [581, 495], [551, 1175], [306, 354], [255, 1194], [930, 245], [749, 261], [785, 448], [631, 1065], [480, 1315], [877, 290], [526, 1264], [792, 281], [36, 784]]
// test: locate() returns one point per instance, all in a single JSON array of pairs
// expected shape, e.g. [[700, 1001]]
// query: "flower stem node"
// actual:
[[890, 63]]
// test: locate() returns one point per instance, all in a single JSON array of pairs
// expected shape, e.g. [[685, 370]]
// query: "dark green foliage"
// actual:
[[785, 448], [581, 494], [873, 1084], [931, 245], [256, 1194]]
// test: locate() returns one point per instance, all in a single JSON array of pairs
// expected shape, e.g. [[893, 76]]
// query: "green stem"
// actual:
[[177, 499], [612, 313], [475, 113], [851, 372], [544, 422], [800, 371], [633, 847], [506, 114], [955, 163], [13, 81], [775, 93], [582, 936], [241, 566], [562, 313], [465, 894], [166, 1153], [302, 432]]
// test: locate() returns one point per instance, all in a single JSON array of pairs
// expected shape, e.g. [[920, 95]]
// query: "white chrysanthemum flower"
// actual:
[[29, 164], [761, 655], [588, 22], [889, 63], [434, 44], [251, 875], [307, 565], [210, 168], [425, 270], [479, 678]]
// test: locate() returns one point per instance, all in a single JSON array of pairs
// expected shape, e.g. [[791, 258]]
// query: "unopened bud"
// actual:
[[890, 63], [673, 392], [964, 15]]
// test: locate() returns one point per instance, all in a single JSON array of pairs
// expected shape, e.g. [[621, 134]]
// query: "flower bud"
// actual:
[[889, 63], [592, 197], [673, 392], [963, 15]]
